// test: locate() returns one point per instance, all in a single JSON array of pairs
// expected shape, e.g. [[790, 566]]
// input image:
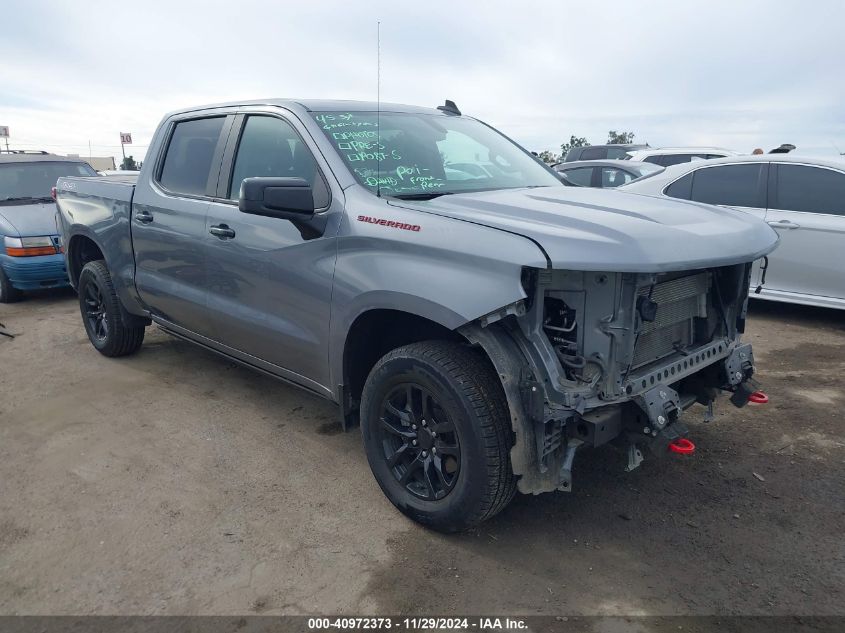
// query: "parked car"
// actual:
[[601, 152], [481, 330], [604, 174], [30, 253], [668, 156], [119, 172], [802, 198]]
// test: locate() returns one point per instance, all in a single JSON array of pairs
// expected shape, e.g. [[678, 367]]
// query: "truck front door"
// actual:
[[168, 222], [269, 279]]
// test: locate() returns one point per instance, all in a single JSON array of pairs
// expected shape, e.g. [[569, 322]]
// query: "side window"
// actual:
[[675, 159], [582, 176], [810, 189], [655, 160], [732, 185], [681, 188], [593, 153], [270, 147], [187, 163], [612, 177], [617, 153]]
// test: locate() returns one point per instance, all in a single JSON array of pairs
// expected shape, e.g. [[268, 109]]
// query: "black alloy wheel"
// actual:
[[437, 432], [419, 442], [96, 321]]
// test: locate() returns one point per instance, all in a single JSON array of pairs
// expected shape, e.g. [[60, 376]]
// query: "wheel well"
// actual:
[[81, 250], [374, 334]]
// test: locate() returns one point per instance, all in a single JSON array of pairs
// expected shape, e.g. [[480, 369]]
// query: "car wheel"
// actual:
[[8, 293], [100, 310], [437, 434]]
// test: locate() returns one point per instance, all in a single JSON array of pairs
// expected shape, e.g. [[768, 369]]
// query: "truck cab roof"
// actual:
[[318, 105]]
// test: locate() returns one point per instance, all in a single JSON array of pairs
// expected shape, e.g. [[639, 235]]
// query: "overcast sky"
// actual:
[[734, 74]]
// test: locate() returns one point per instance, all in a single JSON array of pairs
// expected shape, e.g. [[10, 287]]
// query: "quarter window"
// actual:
[[731, 185], [580, 177], [270, 147], [810, 189], [681, 188], [187, 164]]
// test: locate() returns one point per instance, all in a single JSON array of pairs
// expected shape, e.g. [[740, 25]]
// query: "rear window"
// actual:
[[187, 163], [593, 153], [33, 180], [731, 185], [810, 189], [668, 160]]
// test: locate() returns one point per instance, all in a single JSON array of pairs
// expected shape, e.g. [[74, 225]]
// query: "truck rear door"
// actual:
[[169, 221], [807, 209]]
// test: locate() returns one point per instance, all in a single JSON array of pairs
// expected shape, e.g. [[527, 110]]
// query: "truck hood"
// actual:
[[29, 219], [606, 230]]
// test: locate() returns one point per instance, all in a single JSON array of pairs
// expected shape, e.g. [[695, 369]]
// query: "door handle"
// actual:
[[144, 217], [783, 224], [222, 231]]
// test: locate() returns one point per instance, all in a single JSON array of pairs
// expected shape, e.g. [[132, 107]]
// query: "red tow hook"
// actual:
[[758, 397], [682, 446]]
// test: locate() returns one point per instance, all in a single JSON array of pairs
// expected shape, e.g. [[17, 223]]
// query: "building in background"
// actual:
[[100, 163]]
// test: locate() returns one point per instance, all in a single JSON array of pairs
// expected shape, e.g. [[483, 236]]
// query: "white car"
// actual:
[[667, 156], [802, 198]]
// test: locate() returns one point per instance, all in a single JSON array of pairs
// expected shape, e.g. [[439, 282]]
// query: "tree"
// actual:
[[574, 141], [548, 157], [621, 138], [129, 164]]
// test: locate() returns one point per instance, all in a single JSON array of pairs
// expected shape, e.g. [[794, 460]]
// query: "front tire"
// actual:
[[100, 308], [437, 434], [8, 293]]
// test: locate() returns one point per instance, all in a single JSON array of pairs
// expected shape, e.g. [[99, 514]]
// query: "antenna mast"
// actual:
[[378, 108]]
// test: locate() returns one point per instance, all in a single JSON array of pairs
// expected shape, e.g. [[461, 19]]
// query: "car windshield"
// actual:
[[409, 155], [32, 181]]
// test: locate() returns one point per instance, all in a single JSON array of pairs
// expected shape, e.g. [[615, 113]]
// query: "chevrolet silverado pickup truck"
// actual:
[[480, 321]]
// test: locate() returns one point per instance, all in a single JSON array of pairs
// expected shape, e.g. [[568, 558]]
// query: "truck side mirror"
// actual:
[[288, 198]]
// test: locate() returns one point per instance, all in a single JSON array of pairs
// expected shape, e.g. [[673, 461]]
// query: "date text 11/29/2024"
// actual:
[[418, 623]]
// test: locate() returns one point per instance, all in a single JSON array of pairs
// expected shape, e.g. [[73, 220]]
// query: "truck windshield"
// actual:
[[22, 183], [410, 155]]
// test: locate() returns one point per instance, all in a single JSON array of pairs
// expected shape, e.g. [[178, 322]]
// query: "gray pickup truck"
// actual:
[[481, 321]]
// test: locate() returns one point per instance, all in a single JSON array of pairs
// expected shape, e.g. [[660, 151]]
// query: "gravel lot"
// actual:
[[175, 482]]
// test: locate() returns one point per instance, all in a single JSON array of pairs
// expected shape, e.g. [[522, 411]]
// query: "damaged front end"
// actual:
[[590, 358]]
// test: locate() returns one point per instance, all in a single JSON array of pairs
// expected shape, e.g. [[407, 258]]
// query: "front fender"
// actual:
[[448, 271]]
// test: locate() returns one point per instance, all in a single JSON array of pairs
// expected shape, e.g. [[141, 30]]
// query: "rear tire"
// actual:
[[100, 308], [8, 293], [436, 429]]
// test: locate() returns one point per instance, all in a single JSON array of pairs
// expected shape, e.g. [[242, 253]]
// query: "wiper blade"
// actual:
[[429, 195]]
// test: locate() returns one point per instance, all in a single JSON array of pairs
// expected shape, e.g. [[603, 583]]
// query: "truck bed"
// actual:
[[99, 209]]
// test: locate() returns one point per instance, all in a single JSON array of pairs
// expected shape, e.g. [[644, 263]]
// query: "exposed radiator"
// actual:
[[679, 301]]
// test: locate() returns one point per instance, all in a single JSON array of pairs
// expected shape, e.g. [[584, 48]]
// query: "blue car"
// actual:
[[30, 251]]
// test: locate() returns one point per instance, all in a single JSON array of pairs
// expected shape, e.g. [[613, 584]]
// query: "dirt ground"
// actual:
[[175, 482]]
